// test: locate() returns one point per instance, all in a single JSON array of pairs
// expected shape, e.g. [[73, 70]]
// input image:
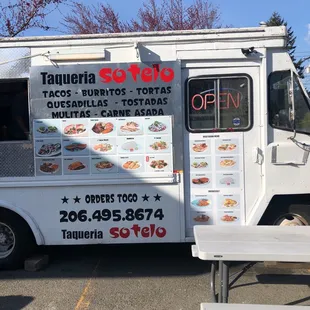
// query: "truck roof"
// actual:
[[251, 33]]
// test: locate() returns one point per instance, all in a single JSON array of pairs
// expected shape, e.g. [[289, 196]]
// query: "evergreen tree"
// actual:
[[277, 20]]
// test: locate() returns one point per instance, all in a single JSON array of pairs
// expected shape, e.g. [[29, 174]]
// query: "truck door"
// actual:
[[222, 141]]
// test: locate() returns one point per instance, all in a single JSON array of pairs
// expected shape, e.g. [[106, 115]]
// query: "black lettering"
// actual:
[[64, 233], [43, 74]]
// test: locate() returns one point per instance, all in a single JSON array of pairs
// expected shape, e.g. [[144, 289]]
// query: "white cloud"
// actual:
[[307, 38]]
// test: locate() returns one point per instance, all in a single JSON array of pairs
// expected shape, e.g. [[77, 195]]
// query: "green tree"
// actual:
[[277, 20]]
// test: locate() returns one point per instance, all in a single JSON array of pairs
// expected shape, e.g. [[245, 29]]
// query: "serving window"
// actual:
[[221, 103], [14, 110]]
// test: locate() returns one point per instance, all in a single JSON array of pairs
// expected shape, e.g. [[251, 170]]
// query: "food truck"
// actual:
[[137, 137]]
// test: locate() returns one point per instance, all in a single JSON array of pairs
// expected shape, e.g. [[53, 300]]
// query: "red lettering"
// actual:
[[136, 229], [145, 232], [156, 71], [134, 70], [167, 75], [194, 102], [161, 232], [119, 76], [235, 103], [105, 74], [226, 101], [124, 233], [146, 75], [227, 105], [152, 228], [114, 232]]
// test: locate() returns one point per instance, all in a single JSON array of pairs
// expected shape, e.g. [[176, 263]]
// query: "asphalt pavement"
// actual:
[[138, 277]]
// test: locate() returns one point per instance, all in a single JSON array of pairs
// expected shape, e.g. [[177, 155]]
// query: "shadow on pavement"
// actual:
[[136, 260], [14, 302]]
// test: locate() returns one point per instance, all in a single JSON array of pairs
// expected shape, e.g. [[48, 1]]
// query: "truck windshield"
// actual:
[[279, 103]]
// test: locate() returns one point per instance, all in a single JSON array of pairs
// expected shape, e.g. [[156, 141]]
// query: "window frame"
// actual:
[[268, 103], [218, 77]]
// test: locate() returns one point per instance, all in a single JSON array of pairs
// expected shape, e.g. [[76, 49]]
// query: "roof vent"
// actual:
[[263, 24]]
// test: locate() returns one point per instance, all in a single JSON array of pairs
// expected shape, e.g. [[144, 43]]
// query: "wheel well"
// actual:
[[284, 204], [9, 213]]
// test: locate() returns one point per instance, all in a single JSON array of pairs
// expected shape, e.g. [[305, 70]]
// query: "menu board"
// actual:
[[103, 146], [216, 186]]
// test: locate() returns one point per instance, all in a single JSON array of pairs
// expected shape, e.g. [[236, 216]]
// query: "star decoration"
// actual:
[[157, 197], [76, 199], [65, 199], [145, 197]]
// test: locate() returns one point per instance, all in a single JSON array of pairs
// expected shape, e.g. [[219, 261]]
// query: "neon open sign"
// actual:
[[228, 98]]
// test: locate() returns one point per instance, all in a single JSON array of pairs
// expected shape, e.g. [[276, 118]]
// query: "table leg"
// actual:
[[225, 279], [220, 298], [213, 290]]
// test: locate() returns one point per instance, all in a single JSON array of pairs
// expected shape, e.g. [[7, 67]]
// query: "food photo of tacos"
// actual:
[[74, 129], [227, 147], [227, 163]]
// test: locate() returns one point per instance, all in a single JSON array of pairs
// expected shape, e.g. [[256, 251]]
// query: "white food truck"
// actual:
[[137, 137]]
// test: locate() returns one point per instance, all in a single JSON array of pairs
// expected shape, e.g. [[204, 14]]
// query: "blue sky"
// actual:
[[238, 13]]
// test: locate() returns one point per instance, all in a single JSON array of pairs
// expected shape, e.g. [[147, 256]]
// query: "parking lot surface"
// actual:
[[137, 277]]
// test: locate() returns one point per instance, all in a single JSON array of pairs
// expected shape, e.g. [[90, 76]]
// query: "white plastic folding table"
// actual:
[[224, 244]]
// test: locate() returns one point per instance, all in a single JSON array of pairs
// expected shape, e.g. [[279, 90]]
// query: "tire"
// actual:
[[290, 215], [16, 240]]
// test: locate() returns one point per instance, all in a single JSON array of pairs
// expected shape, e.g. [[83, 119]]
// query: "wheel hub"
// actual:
[[291, 220], [7, 240]]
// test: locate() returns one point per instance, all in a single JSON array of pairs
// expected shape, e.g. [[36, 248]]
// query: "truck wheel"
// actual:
[[16, 240], [296, 215]]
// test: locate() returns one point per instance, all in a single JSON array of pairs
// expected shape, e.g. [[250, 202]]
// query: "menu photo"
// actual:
[[229, 202], [227, 146], [201, 180], [228, 180], [200, 147], [130, 126], [47, 147], [102, 127], [229, 217], [76, 165], [48, 167], [200, 163], [75, 146], [103, 146], [201, 202], [131, 164], [159, 163], [202, 218], [104, 164], [158, 144], [224, 163], [158, 125], [130, 145], [75, 127], [46, 128]]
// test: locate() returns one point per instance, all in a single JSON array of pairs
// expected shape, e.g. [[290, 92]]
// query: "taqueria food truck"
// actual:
[[137, 137]]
